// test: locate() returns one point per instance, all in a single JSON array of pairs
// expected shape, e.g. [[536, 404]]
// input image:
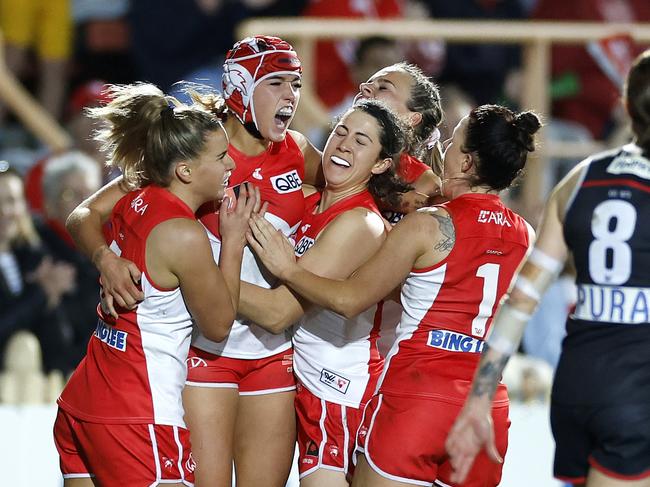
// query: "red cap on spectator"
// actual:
[[91, 93]]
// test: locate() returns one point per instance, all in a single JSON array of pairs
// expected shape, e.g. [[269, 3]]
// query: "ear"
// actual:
[[467, 162], [183, 172], [415, 119], [382, 166]]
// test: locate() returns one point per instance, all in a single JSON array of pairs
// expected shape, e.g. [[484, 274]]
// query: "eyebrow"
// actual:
[[385, 80], [222, 154], [284, 77], [361, 134]]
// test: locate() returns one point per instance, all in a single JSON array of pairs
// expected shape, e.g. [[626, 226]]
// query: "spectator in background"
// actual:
[[478, 69], [333, 77], [81, 127], [31, 284], [580, 89], [46, 27], [371, 55], [69, 179]]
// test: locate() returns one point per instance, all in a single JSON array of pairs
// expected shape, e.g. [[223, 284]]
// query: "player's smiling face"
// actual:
[[352, 151], [275, 101]]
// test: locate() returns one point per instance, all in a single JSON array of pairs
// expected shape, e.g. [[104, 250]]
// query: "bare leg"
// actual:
[[265, 439], [324, 478], [598, 479], [210, 414], [365, 476], [84, 482]]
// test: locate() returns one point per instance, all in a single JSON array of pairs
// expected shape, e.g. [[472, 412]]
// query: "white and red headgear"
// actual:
[[247, 64]]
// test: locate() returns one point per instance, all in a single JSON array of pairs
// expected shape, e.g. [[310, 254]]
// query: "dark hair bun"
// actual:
[[527, 124]]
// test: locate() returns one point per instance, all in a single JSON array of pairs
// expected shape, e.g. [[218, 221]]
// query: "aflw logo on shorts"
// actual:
[[454, 342], [334, 380], [287, 182]]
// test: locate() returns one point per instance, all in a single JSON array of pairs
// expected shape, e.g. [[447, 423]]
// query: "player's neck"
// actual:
[[332, 196], [242, 140]]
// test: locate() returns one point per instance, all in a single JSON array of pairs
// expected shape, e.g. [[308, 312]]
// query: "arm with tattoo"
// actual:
[[447, 232]]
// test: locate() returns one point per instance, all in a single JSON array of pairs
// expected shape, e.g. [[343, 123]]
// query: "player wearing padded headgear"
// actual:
[[240, 391], [600, 400], [456, 261]]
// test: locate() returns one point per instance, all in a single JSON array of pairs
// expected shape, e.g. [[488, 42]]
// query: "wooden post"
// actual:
[[535, 96]]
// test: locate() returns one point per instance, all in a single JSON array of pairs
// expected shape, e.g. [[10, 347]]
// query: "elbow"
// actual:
[[276, 322], [346, 306], [218, 329]]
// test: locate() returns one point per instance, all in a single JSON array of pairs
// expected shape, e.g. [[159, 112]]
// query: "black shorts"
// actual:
[[614, 439]]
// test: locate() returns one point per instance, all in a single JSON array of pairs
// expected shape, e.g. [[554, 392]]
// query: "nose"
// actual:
[[365, 89], [292, 92], [229, 163]]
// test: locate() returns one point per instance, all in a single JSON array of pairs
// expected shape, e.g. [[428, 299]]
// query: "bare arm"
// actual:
[[179, 254], [118, 276], [410, 244], [424, 190], [473, 429], [277, 309], [313, 169]]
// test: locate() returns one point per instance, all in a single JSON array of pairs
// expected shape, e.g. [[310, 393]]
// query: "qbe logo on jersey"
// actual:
[[334, 380], [303, 245], [287, 182]]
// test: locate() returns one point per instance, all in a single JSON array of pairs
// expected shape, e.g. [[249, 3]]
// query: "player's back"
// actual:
[[449, 307], [605, 355]]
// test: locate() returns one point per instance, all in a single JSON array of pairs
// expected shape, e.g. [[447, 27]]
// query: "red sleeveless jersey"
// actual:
[[334, 357], [448, 308], [278, 173], [134, 369]]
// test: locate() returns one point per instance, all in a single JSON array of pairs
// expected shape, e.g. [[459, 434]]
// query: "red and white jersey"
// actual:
[[409, 170], [278, 174], [448, 308], [336, 358], [134, 370]]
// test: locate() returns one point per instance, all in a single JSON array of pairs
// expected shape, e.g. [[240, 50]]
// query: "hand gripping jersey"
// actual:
[[605, 355], [334, 357], [134, 369], [448, 308], [409, 170], [278, 173]]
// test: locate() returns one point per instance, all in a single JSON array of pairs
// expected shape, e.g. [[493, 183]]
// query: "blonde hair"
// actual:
[[27, 234], [145, 131]]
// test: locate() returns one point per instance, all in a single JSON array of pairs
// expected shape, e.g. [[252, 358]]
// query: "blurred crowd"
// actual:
[[65, 51]]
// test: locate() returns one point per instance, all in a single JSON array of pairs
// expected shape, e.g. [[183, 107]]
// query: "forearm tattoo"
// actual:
[[448, 238], [488, 376]]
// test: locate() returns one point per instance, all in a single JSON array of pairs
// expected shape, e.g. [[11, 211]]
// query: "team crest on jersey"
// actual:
[[287, 182], [454, 342], [111, 336], [303, 245], [496, 217], [334, 381]]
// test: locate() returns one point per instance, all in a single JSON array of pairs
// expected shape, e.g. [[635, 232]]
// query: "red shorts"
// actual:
[[326, 433], [252, 377], [420, 427], [123, 454]]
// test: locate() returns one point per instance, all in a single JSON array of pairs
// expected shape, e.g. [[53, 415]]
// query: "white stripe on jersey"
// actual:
[[165, 330], [419, 292], [246, 340]]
